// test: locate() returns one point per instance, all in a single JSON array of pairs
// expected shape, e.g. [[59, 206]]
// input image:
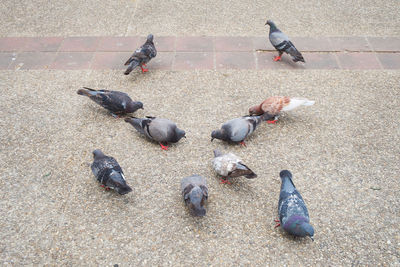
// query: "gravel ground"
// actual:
[[199, 17], [343, 153]]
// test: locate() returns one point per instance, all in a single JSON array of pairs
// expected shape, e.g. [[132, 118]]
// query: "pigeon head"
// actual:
[[285, 173], [299, 226], [256, 110], [98, 153], [133, 106], [218, 134], [150, 38], [271, 25], [269, 22], [118, 183], [179, 134], [196, 202]]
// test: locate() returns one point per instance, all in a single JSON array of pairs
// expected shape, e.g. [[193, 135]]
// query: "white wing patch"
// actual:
[[297, 102]]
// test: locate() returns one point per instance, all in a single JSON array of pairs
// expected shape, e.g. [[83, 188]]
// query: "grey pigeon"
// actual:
[[230, 166], [195, 194], [160, 130], [118, 103], [293, 213], [282, 43], [141, 56], [238, 129], [108, 172]]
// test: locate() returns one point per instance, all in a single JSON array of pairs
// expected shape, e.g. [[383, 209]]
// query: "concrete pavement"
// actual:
[[343, 151]]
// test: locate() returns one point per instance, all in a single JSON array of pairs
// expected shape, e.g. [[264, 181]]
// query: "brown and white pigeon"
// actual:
[[163, 131], [195, 194], [282, 43], [108, 172], [118, 103], [272, 106], [142, 56], [230, 166]]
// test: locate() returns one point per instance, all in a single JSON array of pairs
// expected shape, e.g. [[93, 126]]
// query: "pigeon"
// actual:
[[293, 213], [275, 104], [238, 129], [109, 173], [195, 194], [161, 130], [282, 43], [230, 166], [141, 56], [118, 103]]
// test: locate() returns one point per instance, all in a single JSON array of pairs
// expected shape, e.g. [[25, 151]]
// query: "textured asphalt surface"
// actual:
[[343, 151], [199, 17]]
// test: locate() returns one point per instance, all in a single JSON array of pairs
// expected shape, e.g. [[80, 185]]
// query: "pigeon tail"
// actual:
[[86, 91], [251, 176], [297, 102], [136, 123], [294, 53], [131, 67], [122, 190]]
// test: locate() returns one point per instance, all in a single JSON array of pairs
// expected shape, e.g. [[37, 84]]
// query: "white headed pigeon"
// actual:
[[118, 103], [238, 129], [275, 104], [230, 166], [142, 56], [282, 43], [160, 130], [293, 213], [109, 173], [195, 194]]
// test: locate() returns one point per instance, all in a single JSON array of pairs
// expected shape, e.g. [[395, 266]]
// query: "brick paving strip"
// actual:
[[198, 52]]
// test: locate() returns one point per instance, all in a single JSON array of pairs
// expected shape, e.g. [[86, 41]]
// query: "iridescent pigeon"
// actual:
[[109, 173], [142, 56], [160, 130], [195, 194], [230, 166], [282, 43], [293, 213], [275, 104], [238, 129], [118, 103]]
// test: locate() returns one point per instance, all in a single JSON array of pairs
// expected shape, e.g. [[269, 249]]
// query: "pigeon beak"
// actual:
[[212, 138]]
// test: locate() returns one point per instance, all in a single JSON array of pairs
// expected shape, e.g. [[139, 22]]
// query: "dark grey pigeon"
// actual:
[[142, 56], [195, 194], [238, 129], [282, 43], [118, 103], [160, 130], [293, 213], [109, 173], [230, 166]]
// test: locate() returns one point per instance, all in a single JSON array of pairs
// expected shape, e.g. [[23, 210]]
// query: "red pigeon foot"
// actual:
[[278, 223], [163, 147], [272, 122], [243, 143], [224, 181], [144, 70], [277, 58]]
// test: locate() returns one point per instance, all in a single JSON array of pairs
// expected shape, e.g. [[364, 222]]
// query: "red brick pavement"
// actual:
[[198, 52]]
